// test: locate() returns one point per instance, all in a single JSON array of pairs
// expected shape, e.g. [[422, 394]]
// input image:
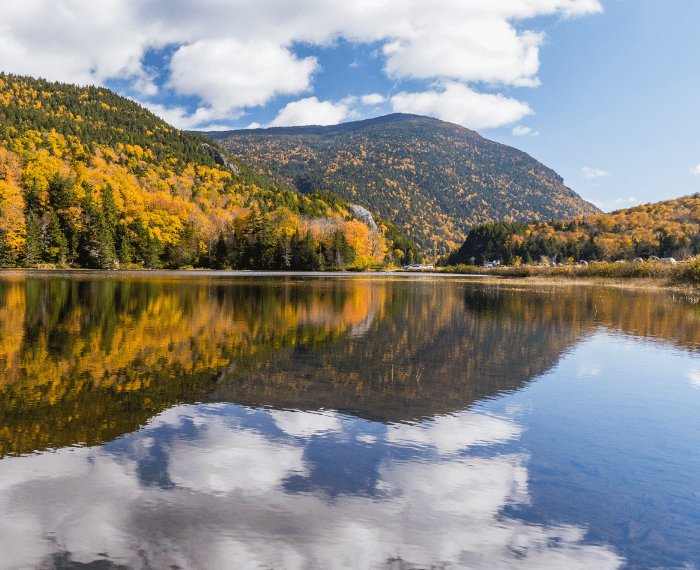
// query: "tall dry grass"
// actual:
[[687, 272]]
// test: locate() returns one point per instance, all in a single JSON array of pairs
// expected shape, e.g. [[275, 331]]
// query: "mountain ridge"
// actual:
[[433, 179], [91, 179]]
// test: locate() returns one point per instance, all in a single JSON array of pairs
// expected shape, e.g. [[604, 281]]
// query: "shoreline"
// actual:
[[498, 276]]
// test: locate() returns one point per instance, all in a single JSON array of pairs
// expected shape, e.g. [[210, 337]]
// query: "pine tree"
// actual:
[[123, 244], [109, 207], [56, 249], [96, 240], [32, 254], [60, 192], [220, 252], [7, 256]]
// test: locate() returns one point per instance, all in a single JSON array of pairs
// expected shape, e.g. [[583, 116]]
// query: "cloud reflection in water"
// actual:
[[207, 487]]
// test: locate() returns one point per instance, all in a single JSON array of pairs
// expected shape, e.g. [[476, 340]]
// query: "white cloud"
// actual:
[[695, 170], [520, 131], [223, 460], [219, 55], [229, 74], [593, 172], [373, 99], [459, 104], [310, 111]]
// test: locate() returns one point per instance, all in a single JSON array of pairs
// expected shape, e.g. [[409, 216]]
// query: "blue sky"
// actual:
[[605, 92]]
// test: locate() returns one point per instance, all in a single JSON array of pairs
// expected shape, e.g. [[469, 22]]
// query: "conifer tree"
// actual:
[[7, 256], [32, 254], [56, 249], [220, 252], [123, 244]]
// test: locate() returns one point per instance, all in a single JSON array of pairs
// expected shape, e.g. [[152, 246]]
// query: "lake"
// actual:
[[196, 420]]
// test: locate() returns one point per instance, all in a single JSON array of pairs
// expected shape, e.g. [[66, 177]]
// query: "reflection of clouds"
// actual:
[[450, 434], [223, 459], [694, 377], [306, 424], [73, 499], [229, 507], [587, 369]]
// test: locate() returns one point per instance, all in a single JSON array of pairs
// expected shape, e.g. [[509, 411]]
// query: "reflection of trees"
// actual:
[[84, 360], [446, 346], [430, 357], [668, 316]]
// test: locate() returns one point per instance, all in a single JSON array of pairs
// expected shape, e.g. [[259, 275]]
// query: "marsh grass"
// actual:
[[670, 273]]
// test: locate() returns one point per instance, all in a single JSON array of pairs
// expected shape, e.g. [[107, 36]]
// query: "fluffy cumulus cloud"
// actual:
[[695, 170], [231, 74], [310, 111], [235, 55], [459, 104], [589, 172], [373, 99]]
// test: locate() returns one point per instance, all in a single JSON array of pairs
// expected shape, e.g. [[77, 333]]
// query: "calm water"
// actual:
[[223, 421]]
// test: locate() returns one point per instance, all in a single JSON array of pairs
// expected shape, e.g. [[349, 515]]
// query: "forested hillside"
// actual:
[[91, 179], [665, 229], [433, 179]]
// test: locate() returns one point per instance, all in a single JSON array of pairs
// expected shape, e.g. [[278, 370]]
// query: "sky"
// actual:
[[605, 92]]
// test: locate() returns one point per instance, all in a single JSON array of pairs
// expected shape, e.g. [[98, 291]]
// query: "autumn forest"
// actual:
[[91, 179]]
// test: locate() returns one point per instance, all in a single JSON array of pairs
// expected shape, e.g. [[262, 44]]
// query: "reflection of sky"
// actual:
[[613, 434], [221, 486]]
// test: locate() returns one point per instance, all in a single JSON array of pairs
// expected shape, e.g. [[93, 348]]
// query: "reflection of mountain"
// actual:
[[88, 358], [430, 356]]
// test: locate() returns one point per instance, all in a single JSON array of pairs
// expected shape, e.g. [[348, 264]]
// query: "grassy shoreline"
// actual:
[[643, 274]]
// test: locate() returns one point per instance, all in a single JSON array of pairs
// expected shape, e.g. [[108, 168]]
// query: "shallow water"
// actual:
[[221, 420]]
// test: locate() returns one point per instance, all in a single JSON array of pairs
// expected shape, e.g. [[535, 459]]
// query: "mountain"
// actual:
[[92, 179], [434, 179], [665, 229]]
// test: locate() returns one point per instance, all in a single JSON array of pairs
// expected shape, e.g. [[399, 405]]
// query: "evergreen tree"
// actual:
[[31, 197], [32, 254], [60, 192], [109, 207], [56, 246], [152, 252], [96, 241], [266, 244], [220, 252], [7, 256], [123, 244]]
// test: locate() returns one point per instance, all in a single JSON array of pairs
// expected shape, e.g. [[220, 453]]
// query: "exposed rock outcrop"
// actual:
[[221, 159], [364, 216]]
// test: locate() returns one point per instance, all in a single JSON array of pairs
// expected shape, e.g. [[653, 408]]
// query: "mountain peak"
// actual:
[[434, 179]]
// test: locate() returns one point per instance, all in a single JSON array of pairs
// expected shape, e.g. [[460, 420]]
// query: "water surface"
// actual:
[[255, 421]]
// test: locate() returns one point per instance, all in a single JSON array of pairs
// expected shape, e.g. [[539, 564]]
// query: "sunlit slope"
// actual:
[[91, 179], [434, 179], [665, 229]]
